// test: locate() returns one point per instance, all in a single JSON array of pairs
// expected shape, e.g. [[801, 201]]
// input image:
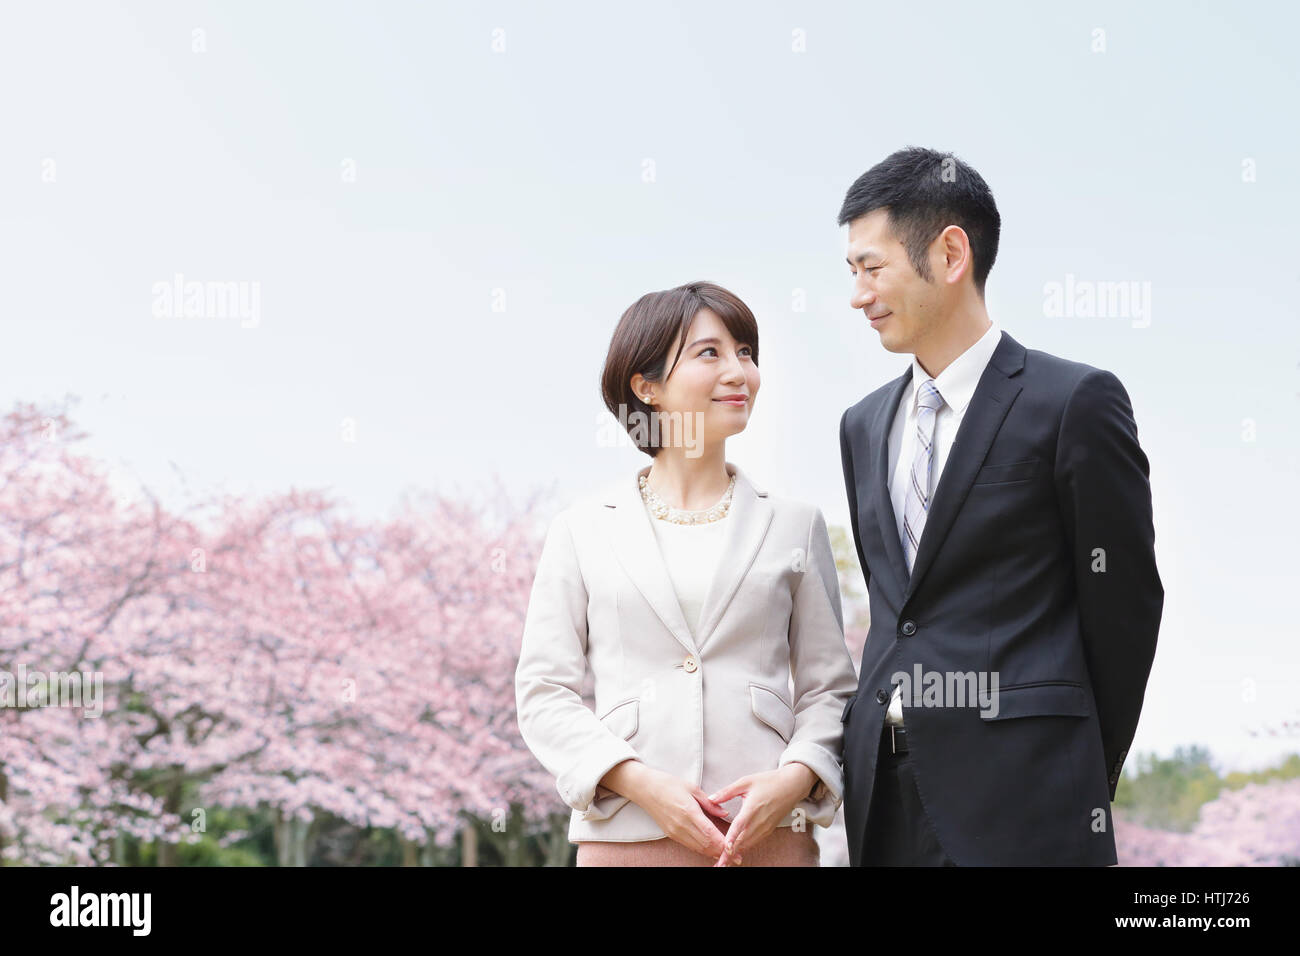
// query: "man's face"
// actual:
[[903, 307]]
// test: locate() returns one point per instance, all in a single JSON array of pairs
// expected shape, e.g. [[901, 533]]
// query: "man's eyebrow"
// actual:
[[865, 254]]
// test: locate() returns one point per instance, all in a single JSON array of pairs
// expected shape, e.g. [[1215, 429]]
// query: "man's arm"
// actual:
[[1105, 503], [851, 488]]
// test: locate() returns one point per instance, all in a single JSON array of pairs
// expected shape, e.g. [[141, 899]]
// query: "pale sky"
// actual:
[[443, 210]]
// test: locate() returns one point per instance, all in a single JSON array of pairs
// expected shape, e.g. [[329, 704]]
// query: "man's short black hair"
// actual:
[[925, 191]]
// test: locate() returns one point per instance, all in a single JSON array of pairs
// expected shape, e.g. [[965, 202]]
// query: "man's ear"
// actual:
[[954, 245]]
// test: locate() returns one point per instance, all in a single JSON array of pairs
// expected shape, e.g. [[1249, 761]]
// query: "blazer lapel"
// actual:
[[748, 520], [885, 516], [988, 408], [637, 550]]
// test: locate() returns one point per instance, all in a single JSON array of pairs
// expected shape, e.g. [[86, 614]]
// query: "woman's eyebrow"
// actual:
[[711, 340]]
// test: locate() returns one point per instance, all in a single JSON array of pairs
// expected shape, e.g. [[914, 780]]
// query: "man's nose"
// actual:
[[862, 297]]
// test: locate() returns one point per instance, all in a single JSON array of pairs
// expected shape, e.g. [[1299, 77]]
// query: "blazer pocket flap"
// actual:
[[1035, 700], [1008, 471], [771, 708], [621, 719], [848, 706]]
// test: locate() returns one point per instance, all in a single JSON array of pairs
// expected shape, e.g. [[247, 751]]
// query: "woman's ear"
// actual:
[[641, 388]]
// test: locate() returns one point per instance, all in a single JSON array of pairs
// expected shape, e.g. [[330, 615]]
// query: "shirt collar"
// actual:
[[957, 382]]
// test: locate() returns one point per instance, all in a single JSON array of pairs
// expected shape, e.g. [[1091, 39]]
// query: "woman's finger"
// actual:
[[715, 809]]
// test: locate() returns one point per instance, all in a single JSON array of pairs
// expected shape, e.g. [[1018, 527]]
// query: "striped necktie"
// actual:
[[917, 504]]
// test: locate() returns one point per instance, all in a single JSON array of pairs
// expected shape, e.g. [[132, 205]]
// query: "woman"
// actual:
[[694, 597]]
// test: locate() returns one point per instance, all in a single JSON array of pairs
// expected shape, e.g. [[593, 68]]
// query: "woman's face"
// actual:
[[714, 383]]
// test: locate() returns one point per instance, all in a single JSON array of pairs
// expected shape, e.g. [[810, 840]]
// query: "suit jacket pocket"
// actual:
[[1062, 698], [1008, 471], [621, 719], [771, 708]]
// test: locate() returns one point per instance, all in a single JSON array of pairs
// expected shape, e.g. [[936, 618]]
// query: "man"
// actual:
[[1001, 512]]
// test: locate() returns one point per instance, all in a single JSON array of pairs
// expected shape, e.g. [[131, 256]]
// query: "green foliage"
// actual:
[[1167, 793], [207, 852]]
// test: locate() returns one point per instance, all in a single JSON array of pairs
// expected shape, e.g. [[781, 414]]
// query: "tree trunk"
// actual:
[[4, 795], [514, 839], [469, 845], [283, 839], [557, 849], [167, 852], [300, 828]]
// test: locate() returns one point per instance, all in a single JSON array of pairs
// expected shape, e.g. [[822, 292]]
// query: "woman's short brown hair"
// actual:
[[645, 333]]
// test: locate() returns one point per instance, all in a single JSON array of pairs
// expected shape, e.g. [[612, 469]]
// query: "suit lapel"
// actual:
[[988, 408], [885, 517], [636, 547]]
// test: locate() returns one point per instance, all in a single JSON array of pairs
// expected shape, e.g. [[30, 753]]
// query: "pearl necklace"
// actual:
[[664, 512]]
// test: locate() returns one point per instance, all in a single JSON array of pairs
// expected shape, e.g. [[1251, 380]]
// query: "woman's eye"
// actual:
[[709, 349]]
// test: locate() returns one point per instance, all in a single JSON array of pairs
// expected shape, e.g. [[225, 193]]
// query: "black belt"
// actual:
[[893, 739]]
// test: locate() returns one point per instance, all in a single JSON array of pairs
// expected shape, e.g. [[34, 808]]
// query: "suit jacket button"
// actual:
[[909, 628], [882, 697], [690, 665]]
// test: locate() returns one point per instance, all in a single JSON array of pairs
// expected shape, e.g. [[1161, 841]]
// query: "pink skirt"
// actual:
[[783, 847]]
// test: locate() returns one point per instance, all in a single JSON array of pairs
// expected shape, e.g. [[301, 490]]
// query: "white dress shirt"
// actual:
[[956, 384]]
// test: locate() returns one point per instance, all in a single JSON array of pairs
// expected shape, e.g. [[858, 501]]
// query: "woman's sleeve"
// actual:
[[557, 726], [823, 676]]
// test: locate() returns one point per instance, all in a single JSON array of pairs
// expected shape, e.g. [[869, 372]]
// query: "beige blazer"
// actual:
[[708, 707]]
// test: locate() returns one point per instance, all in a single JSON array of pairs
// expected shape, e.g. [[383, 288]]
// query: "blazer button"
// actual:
[[690, 665], [909, 628], [882, 697]]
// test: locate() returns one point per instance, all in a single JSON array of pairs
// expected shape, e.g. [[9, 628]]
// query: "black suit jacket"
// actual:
[[1036, 562]]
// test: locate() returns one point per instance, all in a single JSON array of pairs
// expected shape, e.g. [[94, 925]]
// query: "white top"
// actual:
[[956, 384], [691, 553]]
